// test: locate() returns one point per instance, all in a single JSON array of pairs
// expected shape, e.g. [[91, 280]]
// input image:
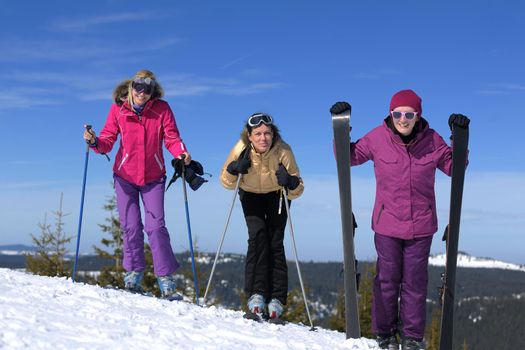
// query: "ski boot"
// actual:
[[132, 281], [167, 287], [275, 310], [387, 341], [412, 344], [256, 306]]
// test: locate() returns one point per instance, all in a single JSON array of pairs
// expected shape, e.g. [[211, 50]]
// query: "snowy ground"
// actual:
[[54, 313]]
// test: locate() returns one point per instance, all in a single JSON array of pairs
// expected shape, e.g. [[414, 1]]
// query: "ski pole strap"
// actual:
[[88, 128]]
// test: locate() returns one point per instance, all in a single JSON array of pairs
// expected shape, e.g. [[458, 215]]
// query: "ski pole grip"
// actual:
[[88, 127]]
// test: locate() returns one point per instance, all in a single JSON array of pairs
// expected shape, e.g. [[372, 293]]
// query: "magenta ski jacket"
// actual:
[[139, 159], [405, 204]]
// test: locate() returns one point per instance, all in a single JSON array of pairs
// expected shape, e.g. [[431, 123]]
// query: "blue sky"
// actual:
[[221, 61]]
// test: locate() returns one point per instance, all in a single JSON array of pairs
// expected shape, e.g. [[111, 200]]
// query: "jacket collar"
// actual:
[[417, 133], [126, 107]]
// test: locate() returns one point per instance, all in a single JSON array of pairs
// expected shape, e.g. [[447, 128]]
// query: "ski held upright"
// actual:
[[341, 126], [460, 137]]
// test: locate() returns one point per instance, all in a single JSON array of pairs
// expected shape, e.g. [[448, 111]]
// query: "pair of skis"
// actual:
[[341, 128]]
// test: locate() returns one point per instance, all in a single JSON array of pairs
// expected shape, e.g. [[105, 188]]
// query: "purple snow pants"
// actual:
[[164, 261], [401, 274]]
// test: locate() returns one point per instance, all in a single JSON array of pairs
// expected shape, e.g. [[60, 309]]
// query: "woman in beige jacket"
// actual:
[[268, 166]]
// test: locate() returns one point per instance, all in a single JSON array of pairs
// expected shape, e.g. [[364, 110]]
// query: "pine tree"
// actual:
[[366, 291], [433, 330], [338, 320], [187, 286], [111, 275], [49, 259], [295, 310], [149, 282]]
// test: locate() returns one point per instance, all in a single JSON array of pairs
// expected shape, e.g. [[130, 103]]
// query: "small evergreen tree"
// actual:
[[338, 320], [295, 310], [366, 291], [111, 275], [149, 282], [433, 329], [186, 270], [49, 259]]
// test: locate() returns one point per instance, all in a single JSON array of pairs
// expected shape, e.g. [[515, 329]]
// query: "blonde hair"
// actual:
[[157, 92]]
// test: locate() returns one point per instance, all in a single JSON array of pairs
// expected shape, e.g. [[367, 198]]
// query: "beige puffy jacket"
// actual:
[[261, 174]]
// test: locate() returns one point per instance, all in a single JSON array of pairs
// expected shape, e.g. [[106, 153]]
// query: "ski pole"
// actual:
[[88, 127], [222, 237], [189, 232], [296, 257]]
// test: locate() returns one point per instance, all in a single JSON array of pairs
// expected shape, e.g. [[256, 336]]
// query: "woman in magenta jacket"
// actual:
[[406, 153], [144, 123]]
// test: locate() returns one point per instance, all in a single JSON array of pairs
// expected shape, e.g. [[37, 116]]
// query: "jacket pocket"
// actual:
[[388, 160], [424, 162], [122, 161], [159, 163], [379, 214]]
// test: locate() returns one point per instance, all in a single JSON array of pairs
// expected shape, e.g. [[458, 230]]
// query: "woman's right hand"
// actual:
[[89, 135], [239, 166]]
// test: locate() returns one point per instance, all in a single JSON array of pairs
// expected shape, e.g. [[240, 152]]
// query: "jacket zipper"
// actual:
[[158, 161], [122, 161], [433, 216], [379, 214]]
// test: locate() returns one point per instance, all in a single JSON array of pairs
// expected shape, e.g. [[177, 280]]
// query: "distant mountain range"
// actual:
[[464, 259]]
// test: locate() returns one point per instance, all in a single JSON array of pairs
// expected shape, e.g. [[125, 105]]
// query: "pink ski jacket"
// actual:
[[139, 159], [405, 203]]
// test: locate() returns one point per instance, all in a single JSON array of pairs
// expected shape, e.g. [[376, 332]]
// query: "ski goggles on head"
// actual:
[[144, 85], [408, 115], [258, 118]]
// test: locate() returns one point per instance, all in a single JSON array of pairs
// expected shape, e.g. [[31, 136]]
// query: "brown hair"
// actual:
[[247, 131]]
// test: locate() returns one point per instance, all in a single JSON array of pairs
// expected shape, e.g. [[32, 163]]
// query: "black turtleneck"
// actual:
[[408, 138]]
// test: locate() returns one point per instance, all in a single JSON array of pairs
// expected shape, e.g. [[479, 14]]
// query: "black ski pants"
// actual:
[[266, 272]]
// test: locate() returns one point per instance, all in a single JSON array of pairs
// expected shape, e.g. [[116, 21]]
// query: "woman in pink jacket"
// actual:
[[406, 153], [144, 123]]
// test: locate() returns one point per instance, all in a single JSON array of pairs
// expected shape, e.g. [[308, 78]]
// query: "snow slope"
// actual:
[[54, 313]]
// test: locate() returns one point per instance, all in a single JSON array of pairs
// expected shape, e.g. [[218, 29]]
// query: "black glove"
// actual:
[[191, 173], [340, 107], [193, 170], [239, 166], [286, 180], [458, 119]]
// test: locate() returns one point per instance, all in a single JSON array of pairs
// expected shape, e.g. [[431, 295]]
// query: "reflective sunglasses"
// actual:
[[257, 119], [408, 115], [144, 85]]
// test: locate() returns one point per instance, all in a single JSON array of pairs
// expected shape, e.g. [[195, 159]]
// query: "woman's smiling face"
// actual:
[[403, 125]]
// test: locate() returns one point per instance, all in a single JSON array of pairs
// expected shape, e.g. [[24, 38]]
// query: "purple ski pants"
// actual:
[[401, 274], [164, 261]]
